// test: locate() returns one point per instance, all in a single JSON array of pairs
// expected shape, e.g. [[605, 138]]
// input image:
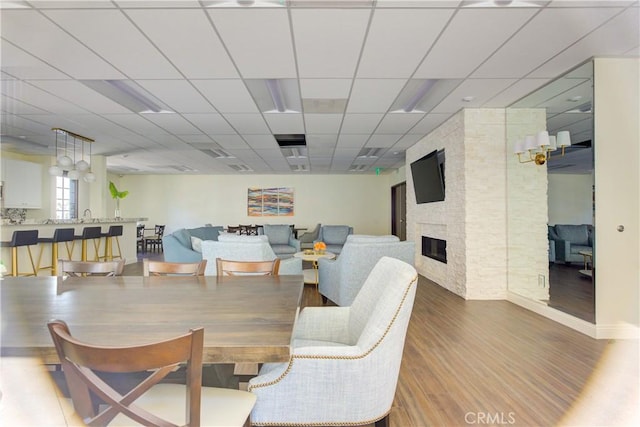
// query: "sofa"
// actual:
[[244, 248], [340, 279], [281, 239], [334, 236], [179, 245], [566, 241]]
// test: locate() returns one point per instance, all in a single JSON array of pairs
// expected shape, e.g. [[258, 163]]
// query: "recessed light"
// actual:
[[468, 98], [575, 98]]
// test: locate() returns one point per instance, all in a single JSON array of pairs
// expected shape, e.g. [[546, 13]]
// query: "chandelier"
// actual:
[[66, 157]]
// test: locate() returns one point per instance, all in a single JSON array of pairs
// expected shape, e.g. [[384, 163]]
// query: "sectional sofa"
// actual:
[[179, 245]]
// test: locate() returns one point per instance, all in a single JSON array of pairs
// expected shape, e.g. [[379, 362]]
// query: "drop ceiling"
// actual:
[[348, 73]]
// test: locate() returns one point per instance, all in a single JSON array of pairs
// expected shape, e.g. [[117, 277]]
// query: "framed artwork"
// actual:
[[270, 201]]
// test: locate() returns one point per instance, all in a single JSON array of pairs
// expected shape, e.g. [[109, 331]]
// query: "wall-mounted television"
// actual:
[[428, 177]]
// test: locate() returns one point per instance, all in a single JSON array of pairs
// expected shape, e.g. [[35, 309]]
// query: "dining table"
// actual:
[[246, 319]]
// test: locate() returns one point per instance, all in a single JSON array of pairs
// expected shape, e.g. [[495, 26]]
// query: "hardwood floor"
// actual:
[[495, 363], [572, 292]]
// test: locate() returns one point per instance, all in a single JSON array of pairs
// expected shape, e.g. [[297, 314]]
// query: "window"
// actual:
[[66, 198]]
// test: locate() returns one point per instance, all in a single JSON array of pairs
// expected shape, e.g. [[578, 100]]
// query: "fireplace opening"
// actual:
[[434, 248]]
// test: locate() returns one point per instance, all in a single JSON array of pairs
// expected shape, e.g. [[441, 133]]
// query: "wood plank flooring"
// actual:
[[495, 363]]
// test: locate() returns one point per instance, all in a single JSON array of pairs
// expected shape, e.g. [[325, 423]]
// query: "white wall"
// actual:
[[570, 199], [187, 201], [617, 183]]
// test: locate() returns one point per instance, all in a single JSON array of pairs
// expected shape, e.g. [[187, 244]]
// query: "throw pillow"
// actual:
[[196, 244]]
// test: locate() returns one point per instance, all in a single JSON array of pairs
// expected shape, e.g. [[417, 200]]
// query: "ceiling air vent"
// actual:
[[291, 140], [241, 168], [217, 153]]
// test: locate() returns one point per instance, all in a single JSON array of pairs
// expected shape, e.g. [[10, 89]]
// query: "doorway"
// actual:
[[399, 210]]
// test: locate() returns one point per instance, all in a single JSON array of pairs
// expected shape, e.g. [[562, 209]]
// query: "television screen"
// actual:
[[428, 178]]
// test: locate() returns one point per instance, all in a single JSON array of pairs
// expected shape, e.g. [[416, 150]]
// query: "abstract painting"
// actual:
[[270, 201]]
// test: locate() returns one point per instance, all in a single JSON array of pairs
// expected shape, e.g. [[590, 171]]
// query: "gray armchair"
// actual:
[[307, 239], [178, 246], [281, 239], [569, 240], [345, 361], [340, 279], [334, 236]]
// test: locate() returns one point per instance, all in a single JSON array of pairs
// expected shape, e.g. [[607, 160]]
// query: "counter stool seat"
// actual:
[[60, 235], [114, 232], [90, 233], [25, 238]]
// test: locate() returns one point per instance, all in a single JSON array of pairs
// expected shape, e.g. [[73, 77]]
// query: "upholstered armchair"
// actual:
[[569, 240], [244, 248], [340, 279], [281, 239], [307, 239], [334, 236], [345, 361]]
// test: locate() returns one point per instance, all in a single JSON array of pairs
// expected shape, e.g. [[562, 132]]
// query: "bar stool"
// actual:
[[114, 231], [60, 235], [26, 238], [90, 233]]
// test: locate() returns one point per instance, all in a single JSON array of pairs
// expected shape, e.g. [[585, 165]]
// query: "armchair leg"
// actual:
[[324, 300], [383, 422]]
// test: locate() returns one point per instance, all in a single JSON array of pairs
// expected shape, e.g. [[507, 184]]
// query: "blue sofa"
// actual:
[[566, 241], [178, 246]]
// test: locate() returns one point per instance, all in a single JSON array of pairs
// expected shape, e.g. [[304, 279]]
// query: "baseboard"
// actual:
[[621, 331], [565, 319]]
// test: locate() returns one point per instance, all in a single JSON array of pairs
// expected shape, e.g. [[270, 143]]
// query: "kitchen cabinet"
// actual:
[[22, 184]]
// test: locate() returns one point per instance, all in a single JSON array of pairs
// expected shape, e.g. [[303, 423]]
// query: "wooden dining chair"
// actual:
[[162, 268], [90, 268], [149, 402], [227, 267]]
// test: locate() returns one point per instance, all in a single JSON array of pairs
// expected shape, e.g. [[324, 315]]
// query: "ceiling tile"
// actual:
[[398, 40], [328, 41], [80, 95], [258, 41], [171, 30], [51, 44], [548, 33], [322, 123], [352, 141], [227, 95], [473, 34], [178, 95], [250, 124], [613, 38], [374, 95], [360, 123], [514, 92], [480, 89], [285, 123], [398, 123], [172, 123], [325, 88], [24, 66], [112, 36], [211, 123]]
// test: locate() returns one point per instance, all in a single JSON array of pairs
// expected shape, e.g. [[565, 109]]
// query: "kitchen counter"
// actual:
[[46, 228], [51, 221]]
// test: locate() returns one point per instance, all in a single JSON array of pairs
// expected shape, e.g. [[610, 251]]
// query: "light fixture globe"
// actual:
[[55, 171], [73, 174], [82, 166], [64, 161], [89, 177]]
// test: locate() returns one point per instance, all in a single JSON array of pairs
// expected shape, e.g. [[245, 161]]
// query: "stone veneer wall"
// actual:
[[473, 219], [528, 256]]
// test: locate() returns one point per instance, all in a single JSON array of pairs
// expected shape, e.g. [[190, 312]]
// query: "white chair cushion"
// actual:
[[242, 239], [219, 406]]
